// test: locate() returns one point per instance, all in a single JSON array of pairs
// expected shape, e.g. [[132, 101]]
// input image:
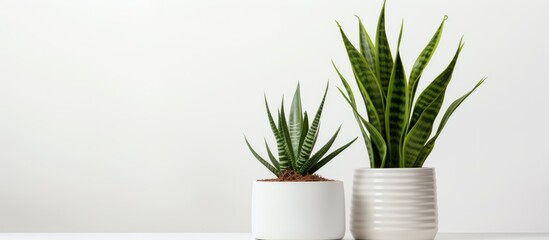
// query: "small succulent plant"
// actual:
[[296, 139], [398, 130]]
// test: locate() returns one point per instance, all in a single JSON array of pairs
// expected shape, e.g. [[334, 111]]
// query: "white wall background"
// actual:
[[129, 115]]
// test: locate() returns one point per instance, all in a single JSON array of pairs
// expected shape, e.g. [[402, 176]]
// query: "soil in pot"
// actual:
[[293, 176]]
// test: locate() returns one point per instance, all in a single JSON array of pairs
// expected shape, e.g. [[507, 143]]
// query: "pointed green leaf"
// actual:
[[418, 135], [371, 110], [367, 47], [378, 141], [271, 156], [384, 58], [433, 90], [282, 155], [431, 143], [286, 136], [323, 150], [396, 114], [304, 130], [423, 59], [310, 138], [260, 159], [296, 120], [370, 87], [351, 100], [329, 157]]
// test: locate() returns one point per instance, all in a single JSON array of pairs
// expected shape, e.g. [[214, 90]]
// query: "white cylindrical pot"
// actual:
[[394, 204], [298, 210]]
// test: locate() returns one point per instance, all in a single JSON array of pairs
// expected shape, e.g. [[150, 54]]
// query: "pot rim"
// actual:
[[296, 182], [395, 169]]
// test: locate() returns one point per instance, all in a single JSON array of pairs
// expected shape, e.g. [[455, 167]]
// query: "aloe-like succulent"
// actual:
[[398, 130], [296, 139]]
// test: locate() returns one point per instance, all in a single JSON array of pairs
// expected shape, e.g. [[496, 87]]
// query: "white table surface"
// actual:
[[240, 236]]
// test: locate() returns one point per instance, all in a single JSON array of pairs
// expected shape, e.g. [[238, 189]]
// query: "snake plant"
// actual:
[[295, 140], [397, 130]]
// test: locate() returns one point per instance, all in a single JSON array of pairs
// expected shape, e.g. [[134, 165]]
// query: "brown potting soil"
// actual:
[[293, 176]]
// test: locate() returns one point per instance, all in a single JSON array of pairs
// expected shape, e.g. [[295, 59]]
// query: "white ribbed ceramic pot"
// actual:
[[394, 204], [298, 210]]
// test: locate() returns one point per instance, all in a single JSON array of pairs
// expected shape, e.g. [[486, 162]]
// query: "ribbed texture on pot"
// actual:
[[394, 204]]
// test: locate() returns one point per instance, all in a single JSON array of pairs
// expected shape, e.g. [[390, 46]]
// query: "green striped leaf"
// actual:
[[286, 136], [319, 154], [431, 143], [418, 135], [433, 90], [396, 114], [260, 159], [329, 157], [296, 120], [282, 155], [304, 130], [378, 141], [373, 116], [369, 86], [351, 100], [367, 140], [384, 58], [423, 59], [367, 47], [310, 138], [271, 156]]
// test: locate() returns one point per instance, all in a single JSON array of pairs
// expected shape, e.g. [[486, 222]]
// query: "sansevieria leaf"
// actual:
[[431, 143], [367, 47], [370, 87], [433, 90], [423, 59], [396, 113], [418, 135], [396, 135], [384, 58], [351, 100]]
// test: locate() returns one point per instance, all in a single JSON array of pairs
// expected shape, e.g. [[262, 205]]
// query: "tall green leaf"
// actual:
[[296, 120], [260, 159], [433, 90], [377, 140], [396, 114], [366, 79], [423, 59], [418, 135], [431, 143], [384, 58], [367, 47], [351, 100], [282, 155]]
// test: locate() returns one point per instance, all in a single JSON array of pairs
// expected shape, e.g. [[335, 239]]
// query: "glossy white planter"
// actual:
[[394, 204], [298, 210]]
